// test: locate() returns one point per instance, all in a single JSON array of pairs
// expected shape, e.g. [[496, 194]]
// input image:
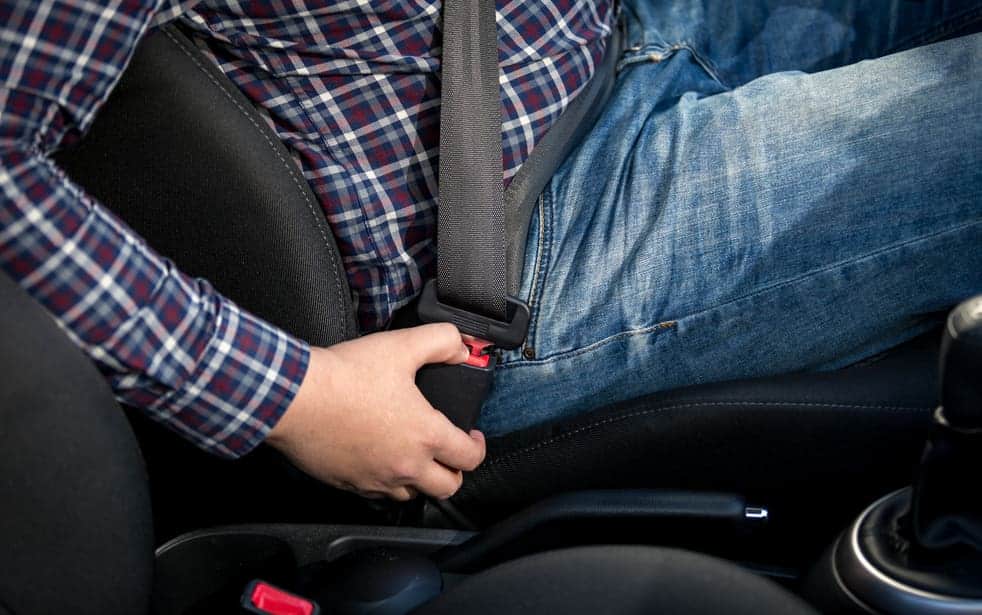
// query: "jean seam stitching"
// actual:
[[706, 63], [545, 250], [636, 19], [617, 419], [655, 328], [537, 271]]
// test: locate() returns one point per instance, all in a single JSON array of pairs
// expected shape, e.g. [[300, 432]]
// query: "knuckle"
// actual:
[[446, 328], [404, 470], [430, 438], [446, 332]]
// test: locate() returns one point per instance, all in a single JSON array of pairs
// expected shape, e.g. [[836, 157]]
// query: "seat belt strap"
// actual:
[[471, 285], [471, 223], [470, 290]]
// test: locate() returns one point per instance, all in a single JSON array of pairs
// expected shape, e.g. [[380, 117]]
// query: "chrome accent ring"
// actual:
[[885, 594]]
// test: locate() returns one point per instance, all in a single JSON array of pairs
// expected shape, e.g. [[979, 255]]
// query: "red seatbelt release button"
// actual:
[[480, 356], [261, 597]]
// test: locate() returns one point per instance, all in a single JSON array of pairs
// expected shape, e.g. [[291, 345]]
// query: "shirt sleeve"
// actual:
[[166, 342]]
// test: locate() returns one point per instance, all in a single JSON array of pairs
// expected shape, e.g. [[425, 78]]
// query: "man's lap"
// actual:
[[704, 233]]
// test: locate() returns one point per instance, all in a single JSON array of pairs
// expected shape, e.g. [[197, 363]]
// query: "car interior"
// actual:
[[844, 491]]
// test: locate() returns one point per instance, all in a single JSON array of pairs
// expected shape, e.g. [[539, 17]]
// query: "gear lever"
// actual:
[[946, 505], [919, 550], [961, 366]]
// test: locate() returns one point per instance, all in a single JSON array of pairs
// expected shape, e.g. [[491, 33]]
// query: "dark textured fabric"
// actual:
[[617, 579], [855, 432], [181, 155], [471, 227], [74, 510]]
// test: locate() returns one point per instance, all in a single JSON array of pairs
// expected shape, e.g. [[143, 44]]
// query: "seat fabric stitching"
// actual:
[[617, 419]]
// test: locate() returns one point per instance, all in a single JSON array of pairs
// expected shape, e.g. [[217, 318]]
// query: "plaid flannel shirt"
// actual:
[[350, 86]]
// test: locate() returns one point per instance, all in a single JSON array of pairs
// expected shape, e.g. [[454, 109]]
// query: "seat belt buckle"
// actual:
[[266, 599], [459, 391], [503, 334]]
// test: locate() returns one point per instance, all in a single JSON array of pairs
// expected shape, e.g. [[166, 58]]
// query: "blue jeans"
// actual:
[[787, 185]]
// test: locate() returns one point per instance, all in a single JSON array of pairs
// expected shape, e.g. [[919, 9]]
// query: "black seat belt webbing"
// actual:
[[471, 249], [470, 289]]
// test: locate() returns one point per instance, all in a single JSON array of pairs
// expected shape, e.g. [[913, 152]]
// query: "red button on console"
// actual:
[[275, 601]]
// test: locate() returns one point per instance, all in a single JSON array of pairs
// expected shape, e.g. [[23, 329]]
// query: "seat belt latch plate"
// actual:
[[503, 334]]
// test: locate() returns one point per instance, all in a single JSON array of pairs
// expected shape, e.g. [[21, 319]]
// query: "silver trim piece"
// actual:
[[756, 513], [886, 594]]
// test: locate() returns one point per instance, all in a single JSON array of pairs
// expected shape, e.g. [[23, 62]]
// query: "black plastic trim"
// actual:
[[601, 504]]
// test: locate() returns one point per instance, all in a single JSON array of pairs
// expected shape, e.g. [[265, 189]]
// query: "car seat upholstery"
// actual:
[[185, 159], [75, 524]]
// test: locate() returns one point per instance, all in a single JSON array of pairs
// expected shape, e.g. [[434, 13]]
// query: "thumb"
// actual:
[[434, 343]]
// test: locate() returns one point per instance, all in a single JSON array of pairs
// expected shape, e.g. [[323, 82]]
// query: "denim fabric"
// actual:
[[774, 186]]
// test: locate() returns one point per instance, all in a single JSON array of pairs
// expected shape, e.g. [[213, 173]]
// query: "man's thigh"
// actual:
[[740, 41], [792, 223]]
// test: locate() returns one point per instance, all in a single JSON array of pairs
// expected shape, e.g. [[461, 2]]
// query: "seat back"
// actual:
[[186, 160], [75, 525]]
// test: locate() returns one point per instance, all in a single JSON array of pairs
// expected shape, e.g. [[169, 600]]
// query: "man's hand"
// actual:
[[359, 423]]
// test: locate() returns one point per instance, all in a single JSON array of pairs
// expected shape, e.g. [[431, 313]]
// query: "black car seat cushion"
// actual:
[[857, 431], [75, 523]]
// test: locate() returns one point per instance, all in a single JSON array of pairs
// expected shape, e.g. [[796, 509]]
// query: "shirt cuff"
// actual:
[[244, 382]]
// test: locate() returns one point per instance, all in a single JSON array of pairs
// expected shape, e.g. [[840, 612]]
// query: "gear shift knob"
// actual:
[[946, 508], [961, 366], [918, 551]]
